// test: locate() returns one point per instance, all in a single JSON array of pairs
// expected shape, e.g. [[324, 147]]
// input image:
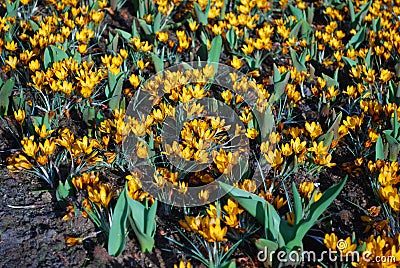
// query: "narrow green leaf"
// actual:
[[310, 14], [298, 205], [88, 116], [300, 66], [115, 83], [231, 37], [12, 8], [316, 210], [389, 137], [330, 81], [114, 44], [34, 25], [297, 12], [351, 9], [53, 54], [47, 59], [124, 34], [259, 208], [379, 149], [262, 243], [229, 264], [58, 54], [117, 235], [267, 122], [358, 38], [158, 63], [215, 51], [41, 120], [296, 29], [157, 22], [113, 4], [250, 202], [143, 223], [77, 56], [146, 28], [202, 18], [5, 93], [277, 74], [368, 58], [358, 18], [134, 29], [279, 87], [350, 62], [396, 125]]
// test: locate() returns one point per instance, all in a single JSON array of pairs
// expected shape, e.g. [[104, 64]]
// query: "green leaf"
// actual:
[[360, 15], [6, 90], [358, 38], [393, 151], [202, 17], [287, 231], [114, 89], [134, 29], [113, 47], [141, 9], [53, 54], [296, 29], [158, 62], [143, 222], [12, 8], [316, 210], [88, 116], [298, 206], [296, 12], [231, 37], [118, 230], [77, 56], [368, 58], [351, 9], [34, 25], [157, 23], [47, 58], [335, 126], [259, 208], [267, 122], [63, 189], [299, 65], [228, 264], [41, 120], [280, 86], [262, 243], [379, 149], [124, 34], [215, 51], [376, 25], [250, 202], [146, 28], [350, 62], [310, 14], [113, 4], [277, 74], [389, 137], [396, 125], [330, 81], [94, 6]]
